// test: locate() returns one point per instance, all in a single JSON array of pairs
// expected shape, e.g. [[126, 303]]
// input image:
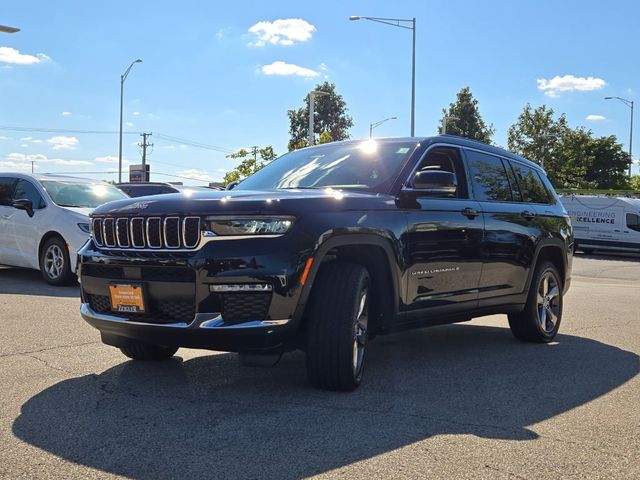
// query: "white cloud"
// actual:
[[65, 114], [128, 124], [569, 83], [25, 145], [220, 34], [135, 114], [222, 170], [26, 159], [36, 141], [283, 68], [111, 159], [195, 174], [323, 67], [4, 137], [595, 118], [285, 31], [12, 56], [60, 142], [15, 166], [26, 139]]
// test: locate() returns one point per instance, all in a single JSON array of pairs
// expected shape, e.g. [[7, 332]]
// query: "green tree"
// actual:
[[608, 169], [330, 116], [467, 121], [634, 183], [251, 161], [536, 136]]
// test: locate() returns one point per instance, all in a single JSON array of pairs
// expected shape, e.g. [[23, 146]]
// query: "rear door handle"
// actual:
[[470, 213], [528, 215]]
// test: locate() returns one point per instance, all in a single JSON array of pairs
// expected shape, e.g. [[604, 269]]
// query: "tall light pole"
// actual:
[[444, 123], [123, 77], [409, 24], [378, 123], [312, 105], [628, 103]]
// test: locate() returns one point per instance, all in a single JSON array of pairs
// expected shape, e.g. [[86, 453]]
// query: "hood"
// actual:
[[246, 202], [85, 212]]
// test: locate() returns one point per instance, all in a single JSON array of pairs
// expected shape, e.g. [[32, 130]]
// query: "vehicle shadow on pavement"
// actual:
[[211, 418], [22, 281]]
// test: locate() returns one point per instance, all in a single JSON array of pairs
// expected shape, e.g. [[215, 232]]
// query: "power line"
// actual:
[[62, 130], [192, 143]]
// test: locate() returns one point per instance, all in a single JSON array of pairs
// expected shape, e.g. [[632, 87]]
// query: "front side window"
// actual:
[[370, 165], [633, 221], [6, 190], [25, 190], [447, 159], [531, 187], [81, 195], [490, 181]]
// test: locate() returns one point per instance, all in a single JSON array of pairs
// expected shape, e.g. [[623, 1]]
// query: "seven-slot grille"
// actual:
[[153, 233]]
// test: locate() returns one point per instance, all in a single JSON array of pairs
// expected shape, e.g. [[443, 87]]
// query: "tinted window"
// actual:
[[447, 159], [26, 190], [489, 176], [531, 187], [6, 190], [633, 221]]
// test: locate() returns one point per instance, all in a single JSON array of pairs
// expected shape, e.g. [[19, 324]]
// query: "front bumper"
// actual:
[[207, 331]]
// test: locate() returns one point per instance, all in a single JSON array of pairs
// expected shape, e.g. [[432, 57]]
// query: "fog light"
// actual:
[[239, 287]]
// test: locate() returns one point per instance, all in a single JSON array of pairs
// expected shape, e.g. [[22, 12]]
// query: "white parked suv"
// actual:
[[44, 220]]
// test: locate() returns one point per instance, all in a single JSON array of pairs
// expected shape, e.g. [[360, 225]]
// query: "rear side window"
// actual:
[[490, 181], [531, 187], [633, 221], [6, 190], [26, 190]]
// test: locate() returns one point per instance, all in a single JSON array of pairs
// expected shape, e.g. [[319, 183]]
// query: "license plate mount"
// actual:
[[127, 298]]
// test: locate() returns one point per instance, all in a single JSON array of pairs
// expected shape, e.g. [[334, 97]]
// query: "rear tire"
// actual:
[[337, 326], [148, 352], [540, 319], [55, 265]]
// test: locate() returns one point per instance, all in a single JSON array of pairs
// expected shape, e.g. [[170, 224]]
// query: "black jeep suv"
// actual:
[[328, 246]]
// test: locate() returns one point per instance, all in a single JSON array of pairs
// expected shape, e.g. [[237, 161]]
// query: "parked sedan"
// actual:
[[44, 221]]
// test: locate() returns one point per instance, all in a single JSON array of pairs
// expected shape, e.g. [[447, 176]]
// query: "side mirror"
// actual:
[[232, 185], [24, 204], [438, 183]]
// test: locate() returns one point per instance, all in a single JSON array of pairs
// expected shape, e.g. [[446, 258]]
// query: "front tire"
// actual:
[[540, 319], [55, 265], [337, 327], [148, 352]]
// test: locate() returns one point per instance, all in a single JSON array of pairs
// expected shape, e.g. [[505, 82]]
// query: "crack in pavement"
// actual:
[[46, 349]]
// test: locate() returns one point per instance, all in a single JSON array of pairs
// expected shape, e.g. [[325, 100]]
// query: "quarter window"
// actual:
[[490, 181], [633, 221], [531, 187], [6, 190], [26, 190]]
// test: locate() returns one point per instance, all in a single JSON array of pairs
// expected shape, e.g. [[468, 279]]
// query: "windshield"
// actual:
[[82, 195], [368, 165]]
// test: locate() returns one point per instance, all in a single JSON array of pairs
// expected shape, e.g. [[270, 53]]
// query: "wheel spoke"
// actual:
[[552, 316], [554, 292], [545, 285], [542, 313]]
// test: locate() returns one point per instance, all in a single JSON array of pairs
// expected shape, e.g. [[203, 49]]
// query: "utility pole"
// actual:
[[144, 145]]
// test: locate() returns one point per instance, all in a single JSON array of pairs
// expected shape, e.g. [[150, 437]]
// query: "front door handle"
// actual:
[[528, 215], [470, 213]]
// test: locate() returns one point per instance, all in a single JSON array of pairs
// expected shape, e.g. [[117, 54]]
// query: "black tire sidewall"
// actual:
[[65, 276]]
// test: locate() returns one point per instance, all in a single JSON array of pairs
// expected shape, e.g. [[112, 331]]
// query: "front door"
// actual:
[[444, 242]]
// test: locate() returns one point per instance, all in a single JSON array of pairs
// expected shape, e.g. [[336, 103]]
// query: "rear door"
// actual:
[[511, 228], [7, 185], [444, 240]]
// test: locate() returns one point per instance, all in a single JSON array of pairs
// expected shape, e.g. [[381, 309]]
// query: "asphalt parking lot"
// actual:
[[459, 401]]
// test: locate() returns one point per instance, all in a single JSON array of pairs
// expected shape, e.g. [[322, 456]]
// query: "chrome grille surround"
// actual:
[[147, 233]]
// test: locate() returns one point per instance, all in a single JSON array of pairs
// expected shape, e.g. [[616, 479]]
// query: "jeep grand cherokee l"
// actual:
[[328, 246]]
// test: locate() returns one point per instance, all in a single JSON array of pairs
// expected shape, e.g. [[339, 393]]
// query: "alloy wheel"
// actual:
[[54, 261], [548, 302], [360, 333]]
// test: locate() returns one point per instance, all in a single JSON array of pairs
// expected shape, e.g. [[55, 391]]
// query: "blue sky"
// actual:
[[225, 73]]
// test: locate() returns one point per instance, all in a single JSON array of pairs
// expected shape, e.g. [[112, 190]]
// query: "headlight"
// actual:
[[250, 225], [84, 227]]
